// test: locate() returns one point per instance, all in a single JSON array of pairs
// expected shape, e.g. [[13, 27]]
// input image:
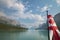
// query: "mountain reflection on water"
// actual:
[[27, 35]]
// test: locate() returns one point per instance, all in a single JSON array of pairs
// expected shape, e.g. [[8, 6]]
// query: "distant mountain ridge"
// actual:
[[57, 20], [7, 24], [7, 20]]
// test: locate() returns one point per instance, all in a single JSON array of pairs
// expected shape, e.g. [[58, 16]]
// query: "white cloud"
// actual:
[[38, 19], [19, 6], [7, 2], [58, 1], [28, 15], [13, 4], [24, 15], [2, 14], [46, 7]]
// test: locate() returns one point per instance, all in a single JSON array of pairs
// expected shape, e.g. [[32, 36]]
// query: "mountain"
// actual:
[[6, 20], [43, 26], [9, 24], [57, 20]]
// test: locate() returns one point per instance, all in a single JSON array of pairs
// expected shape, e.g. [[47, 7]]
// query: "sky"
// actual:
[[31, 13]]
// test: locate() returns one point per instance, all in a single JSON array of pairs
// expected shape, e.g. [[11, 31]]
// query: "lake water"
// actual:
[[27, 35]]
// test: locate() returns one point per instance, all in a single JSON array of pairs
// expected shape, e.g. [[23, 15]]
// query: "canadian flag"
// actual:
[[53, 30]]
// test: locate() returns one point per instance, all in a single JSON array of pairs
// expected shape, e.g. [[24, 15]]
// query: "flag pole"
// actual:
[[47, 25]]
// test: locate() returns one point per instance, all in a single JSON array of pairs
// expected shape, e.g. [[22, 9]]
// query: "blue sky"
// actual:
[[31, 13]]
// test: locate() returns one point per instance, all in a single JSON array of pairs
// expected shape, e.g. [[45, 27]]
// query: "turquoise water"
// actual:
[[27, 35]]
